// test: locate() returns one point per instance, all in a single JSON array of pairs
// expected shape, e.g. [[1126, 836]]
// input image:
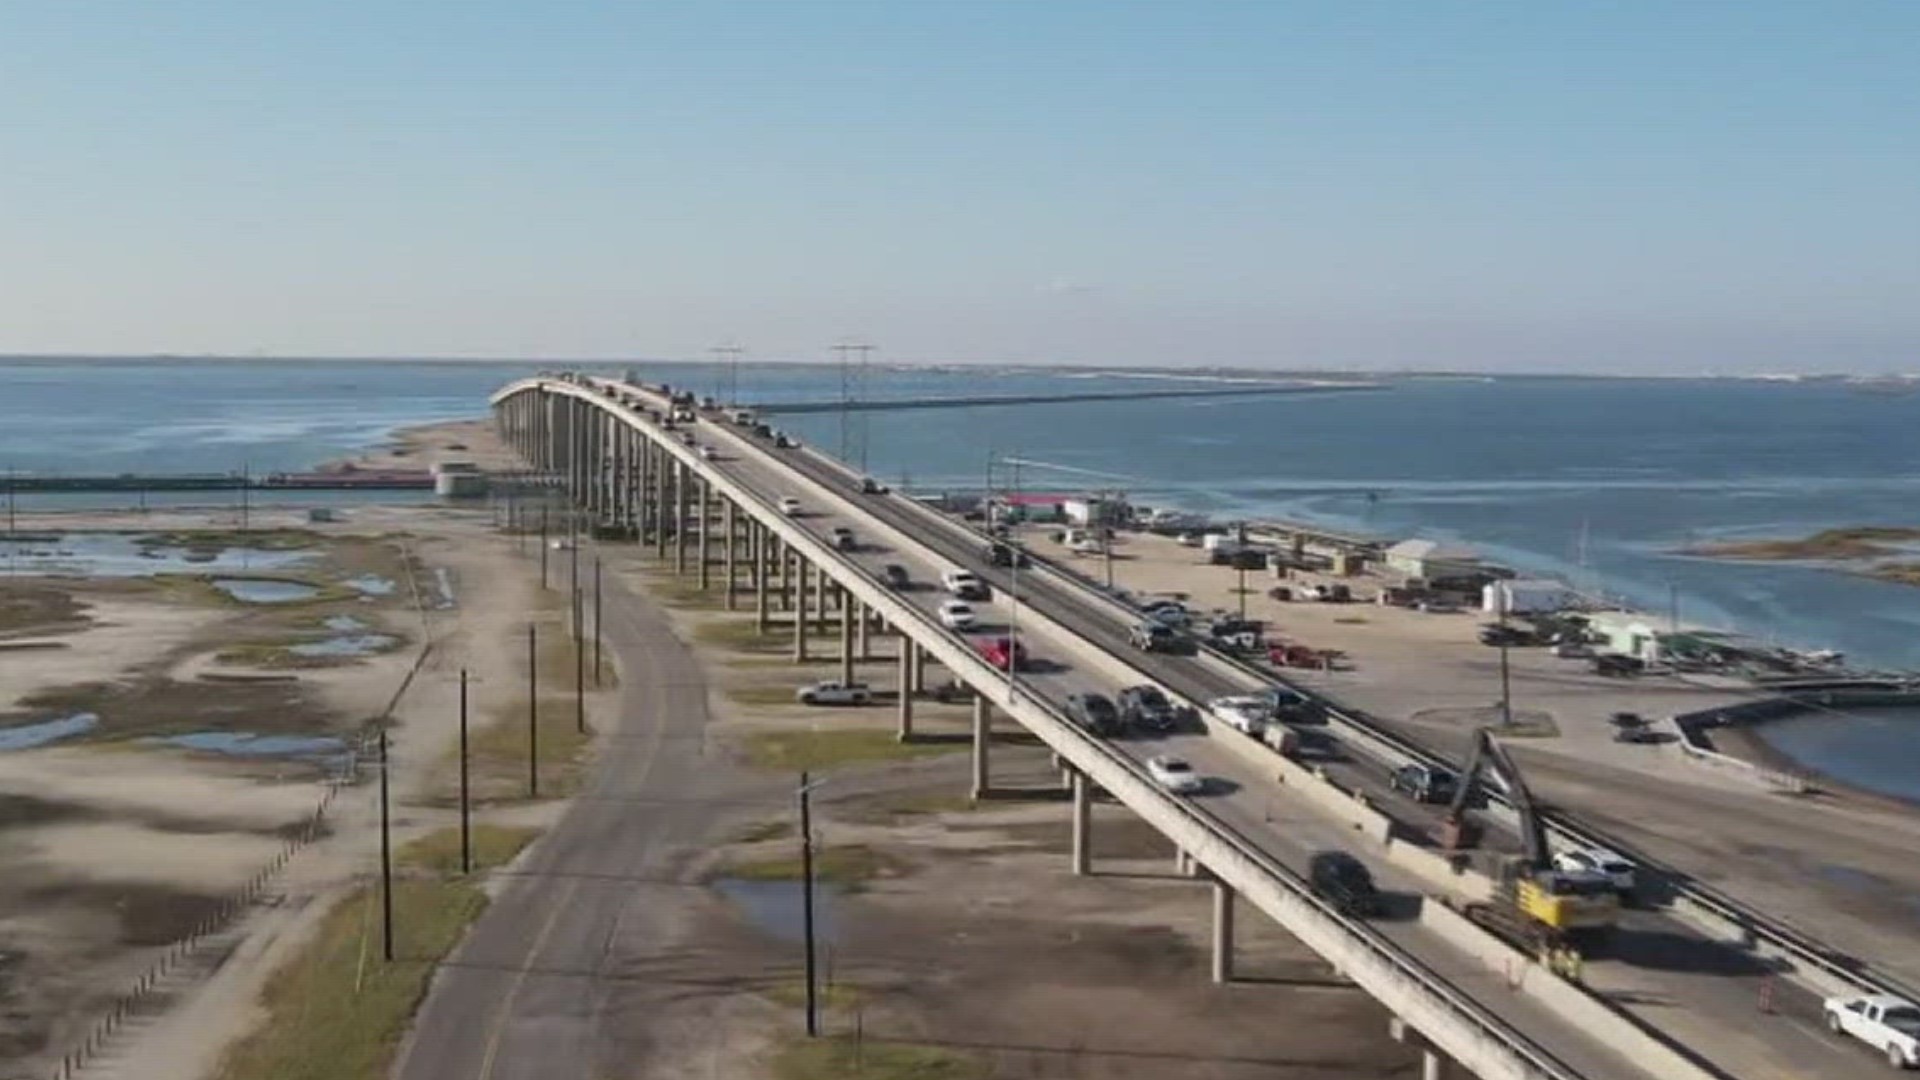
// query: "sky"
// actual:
[[1661, 187]]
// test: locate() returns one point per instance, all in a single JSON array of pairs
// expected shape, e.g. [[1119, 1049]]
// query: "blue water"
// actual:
[[27, 736], [1874, 748], [253, 591], [240, 744]]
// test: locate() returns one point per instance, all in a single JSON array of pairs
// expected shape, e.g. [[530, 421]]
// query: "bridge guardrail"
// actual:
[[1468, 1011]]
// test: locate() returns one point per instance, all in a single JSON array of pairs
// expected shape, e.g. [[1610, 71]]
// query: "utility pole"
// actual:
[[1240, 567], [579, 668], [543, 540], [1014, 552], [386, 851], [806, 901], [729, 355], [1506, 679], [466, 811], [853, 391], [597, 609]]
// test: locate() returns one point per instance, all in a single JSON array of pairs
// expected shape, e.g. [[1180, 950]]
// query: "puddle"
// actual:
[[124, 555], [773, 907], [255, 591], [370, 585], [27, 736], [344, 624], [350, 645], [1848, 878], [243, 744]]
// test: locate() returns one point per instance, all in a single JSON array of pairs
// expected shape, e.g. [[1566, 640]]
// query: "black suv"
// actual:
[[1146, 708], [1344, 881], [1094, 713], [895, 576], [1000, 554], [1152, 637]]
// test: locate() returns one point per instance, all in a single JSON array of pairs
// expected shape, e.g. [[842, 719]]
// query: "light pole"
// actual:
[[1013, 586], [1240, 567], [805, 793]]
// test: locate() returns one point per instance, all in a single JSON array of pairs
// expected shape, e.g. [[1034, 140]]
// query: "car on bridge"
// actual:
[[1889, 1024], [1244, 714], [1611, 864], [870, 486], [1004, 653], [1003, 554], [789, 506], [843, 539], [965, 585], [1146, 708], [834, 693], [1424, 783], [708, 452], [1344, 881], [1152, 637], [958, 615], [895, 576], [1175, 775], [1094, 714]]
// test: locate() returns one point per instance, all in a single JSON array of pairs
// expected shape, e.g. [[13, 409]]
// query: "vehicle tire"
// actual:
[[1833, 1022], [808, 699], [1894, 1057]]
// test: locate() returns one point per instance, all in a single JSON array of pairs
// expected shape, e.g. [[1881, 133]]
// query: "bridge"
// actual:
[[710, 493], [1245, 389]]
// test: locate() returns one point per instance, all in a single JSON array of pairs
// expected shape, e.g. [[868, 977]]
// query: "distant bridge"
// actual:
[[1236, 390]]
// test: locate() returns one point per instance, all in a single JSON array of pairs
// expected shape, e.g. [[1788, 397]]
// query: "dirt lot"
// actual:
[[959, 942]]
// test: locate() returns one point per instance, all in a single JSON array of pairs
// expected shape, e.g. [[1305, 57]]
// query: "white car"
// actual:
[[833, 693], [958, 615], [1175, 775], [1611, 864], [1889, 1024], [1247, 715], [708, 453], [789, 506]]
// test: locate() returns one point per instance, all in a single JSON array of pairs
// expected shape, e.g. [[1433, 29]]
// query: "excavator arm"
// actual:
[[1489, 756]]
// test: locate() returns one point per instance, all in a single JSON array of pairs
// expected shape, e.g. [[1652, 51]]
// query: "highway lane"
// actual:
[[525, 995], [1670, 961]]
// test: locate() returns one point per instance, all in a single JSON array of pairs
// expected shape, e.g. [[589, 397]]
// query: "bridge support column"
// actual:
[[904, 681], [663, 468], [918, 684], [1082, 823], [820, 584], [846, 642], [643, 489], [706, 526], [682, 496], [1222, 931], [862, 626], [982, 733], [762, 592], [1434, 1062], [789, 580], [800, 612], [733, 542]]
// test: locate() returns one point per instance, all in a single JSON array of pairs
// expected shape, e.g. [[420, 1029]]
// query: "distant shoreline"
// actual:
[[1880, 546]]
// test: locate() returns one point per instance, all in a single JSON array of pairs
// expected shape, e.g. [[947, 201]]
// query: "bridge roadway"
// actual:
[[1275, 822], [1659, 960], [1247, 803]]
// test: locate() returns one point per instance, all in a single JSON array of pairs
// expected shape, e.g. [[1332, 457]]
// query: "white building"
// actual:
[[1428, 559], [1525, 596]]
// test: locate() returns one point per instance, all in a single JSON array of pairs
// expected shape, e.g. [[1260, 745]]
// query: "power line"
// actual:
[[728, 377], [853, 391]]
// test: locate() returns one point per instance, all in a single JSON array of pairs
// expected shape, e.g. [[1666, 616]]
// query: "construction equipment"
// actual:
[[1535, 906]]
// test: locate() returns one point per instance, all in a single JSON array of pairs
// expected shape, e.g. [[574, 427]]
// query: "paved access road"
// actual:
[[526, 996]]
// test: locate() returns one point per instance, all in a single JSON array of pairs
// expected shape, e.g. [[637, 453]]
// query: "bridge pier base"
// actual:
[[730, 552], [1434, 1063], [762, 594], [919, 680], [862, 628], [706, 527], [1082, 823], [906, 692], [982, 732], [1222, 931]]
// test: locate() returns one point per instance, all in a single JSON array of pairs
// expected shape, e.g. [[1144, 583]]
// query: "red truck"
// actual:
[[1003, 652]]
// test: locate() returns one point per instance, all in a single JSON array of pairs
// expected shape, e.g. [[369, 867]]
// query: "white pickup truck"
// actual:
[[1889, 1024]]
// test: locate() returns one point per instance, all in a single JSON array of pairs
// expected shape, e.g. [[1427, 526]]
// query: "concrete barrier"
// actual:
[[1785, 961], [1459, 881], [1598, 1019]]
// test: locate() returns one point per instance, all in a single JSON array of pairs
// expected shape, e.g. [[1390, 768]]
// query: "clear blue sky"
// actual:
[[1627, 186]]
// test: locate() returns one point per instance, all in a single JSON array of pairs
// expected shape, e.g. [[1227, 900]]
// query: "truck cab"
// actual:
[[1889, 1024]]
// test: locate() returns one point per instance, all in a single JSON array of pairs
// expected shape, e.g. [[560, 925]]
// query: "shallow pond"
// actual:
[[1877, 749], [27, 736], [370, 585], [345, 645], [256, 591], [774, 907], [124, 555], [247, 744]]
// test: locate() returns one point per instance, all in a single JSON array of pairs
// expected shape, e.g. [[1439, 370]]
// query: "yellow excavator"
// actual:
[[1534, 905]]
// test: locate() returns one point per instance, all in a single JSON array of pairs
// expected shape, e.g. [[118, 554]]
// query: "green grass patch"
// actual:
[[846, 865], [830, 995], [685, 592], [743, 635], [762, 831], [761, 696], [792, 751], [1352, 620], [493, 845], [895, 806], [336, 1011], [216, 540], [842, 1057]]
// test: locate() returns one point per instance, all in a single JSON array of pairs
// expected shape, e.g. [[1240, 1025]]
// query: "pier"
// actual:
[[394, 480]]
